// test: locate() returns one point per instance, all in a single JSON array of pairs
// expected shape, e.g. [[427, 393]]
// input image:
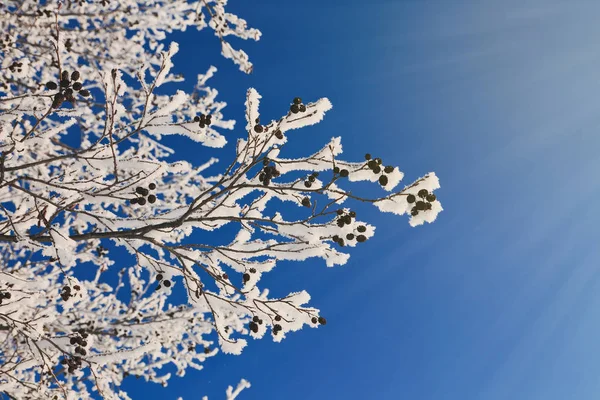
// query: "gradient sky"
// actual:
[[500, 297]]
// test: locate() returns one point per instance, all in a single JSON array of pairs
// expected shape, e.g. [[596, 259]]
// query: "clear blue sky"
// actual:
[[500, 298]]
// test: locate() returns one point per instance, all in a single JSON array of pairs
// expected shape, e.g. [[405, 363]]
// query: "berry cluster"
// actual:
[[41, 13], [66, 292], [258, 128], [68, 84], [79, 340], [203, 120], [225, 277], [4, 295], [6, 42], [374, 165], [276, 329], [346, 219], [306, 202], [100, 251], [297, 106], [310, 179], [343, 172], [420, 205], [72, 363], [320, 320], [143, 192], [69, 45], [15, 66], [254, 324], [165, 282], [268, 172]]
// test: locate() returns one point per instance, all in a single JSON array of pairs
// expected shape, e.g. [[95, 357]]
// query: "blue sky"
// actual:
[[499, 299]]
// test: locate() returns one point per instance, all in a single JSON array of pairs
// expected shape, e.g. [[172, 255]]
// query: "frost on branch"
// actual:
[[100, 223]]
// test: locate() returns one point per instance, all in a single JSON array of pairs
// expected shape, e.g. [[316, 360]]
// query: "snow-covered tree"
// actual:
[[84, 175]]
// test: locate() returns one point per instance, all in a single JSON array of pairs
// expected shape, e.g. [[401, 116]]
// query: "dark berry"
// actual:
[[84, 92], [297, 100], [322, 321], [306, 202], [361, 238], [423, 193], [336, 170], [335, 238], [302, 108], [278, 134], [152, 186], [133, 201], [65, 76], [51, 85], [255, 318], [420, 205], [431, 198], [314, 320], [196, 119], [73, 340], [141, 190], [383, 180], [167, 283], [361, 228], [307, 184], [225, 276], [311, 178], [352, 214], [159, 277], [377, 169], [141, 201], [340, 211], [411, 198], [341, 242], [7, 295], [254, 327], [253, 270], [75, 76], [258, 128], [261, 177], [151, 199], [414, 212], [367, 156], [77, 86], [378, 161], [278, 318], [344, 173], [64, 83], [372, 164], [294, 108], [350, 236], [246, 277]]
